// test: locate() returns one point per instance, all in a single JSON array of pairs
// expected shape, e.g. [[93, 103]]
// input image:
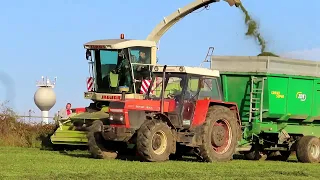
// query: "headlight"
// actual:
[[116, 118]]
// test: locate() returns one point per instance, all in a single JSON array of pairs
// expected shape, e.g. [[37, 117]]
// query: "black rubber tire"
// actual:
[[96, 142], [216, 113], [179, 153], [304, 153], [145, 138]]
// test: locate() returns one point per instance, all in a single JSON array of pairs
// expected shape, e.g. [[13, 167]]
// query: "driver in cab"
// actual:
[[178, 94], [123, 69], [142, 60]]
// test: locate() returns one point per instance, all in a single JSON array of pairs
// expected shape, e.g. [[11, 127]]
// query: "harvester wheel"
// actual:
[[96, 142], [155, 140], [308, 149], [219, 135]]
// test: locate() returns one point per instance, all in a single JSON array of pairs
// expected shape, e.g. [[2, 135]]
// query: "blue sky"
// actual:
[[46, 38]]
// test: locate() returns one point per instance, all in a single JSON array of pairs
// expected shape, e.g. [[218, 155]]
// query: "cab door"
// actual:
[[190, 97]]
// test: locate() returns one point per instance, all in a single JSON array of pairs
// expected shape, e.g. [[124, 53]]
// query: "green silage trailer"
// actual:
[[279, 104]]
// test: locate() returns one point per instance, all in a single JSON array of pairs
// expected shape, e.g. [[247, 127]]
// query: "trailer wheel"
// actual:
[[155, 140], [219, 135], [96, 142], [308, 149]]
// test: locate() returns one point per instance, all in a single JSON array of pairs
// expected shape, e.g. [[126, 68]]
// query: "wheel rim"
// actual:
[[221, 136], [315, 151], [159, 142]]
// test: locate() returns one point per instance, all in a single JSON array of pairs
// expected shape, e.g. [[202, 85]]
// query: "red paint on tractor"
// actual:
[[202, 106], [200, 112], [126, 118], [149, 105], [226, 136]]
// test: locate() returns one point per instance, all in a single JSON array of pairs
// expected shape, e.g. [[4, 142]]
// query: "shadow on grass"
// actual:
[[75, 154], [124, 157], [130, 156]]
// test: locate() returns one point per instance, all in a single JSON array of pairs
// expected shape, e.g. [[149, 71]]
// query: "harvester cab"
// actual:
[[117, 64], [182, 112]]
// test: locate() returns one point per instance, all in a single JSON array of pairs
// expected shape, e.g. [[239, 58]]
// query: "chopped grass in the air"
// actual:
[[254, 32]]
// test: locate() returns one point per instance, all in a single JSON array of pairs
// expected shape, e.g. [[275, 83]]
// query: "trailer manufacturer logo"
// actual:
[[277, 94], [301, 96]]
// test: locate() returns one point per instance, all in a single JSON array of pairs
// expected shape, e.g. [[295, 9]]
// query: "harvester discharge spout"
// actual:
[[176, 16]]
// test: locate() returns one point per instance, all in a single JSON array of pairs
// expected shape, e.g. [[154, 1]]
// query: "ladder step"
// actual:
[[257, 92]]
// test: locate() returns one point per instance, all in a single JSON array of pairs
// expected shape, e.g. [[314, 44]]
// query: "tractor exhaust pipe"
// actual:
[[162, 90], [123, 95]]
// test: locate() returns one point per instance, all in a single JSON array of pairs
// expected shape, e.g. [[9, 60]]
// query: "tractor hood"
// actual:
[[142, 105]]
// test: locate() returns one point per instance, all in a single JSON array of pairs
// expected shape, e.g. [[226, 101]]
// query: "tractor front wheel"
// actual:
[[219, 135], [308, 149], [96, 142], [155, 141]]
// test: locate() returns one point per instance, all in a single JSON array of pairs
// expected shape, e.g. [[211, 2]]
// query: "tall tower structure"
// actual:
[[45, 97]]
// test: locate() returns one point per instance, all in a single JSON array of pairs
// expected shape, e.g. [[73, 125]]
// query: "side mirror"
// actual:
[[88, 54]]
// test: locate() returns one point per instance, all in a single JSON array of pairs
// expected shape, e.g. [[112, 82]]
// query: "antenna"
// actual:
[[45, 82]]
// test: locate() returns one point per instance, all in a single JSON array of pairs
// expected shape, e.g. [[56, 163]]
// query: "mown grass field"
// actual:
[[28, 163]]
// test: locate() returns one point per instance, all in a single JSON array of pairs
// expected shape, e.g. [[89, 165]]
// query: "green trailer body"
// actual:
[[278, 99], [291, 103]]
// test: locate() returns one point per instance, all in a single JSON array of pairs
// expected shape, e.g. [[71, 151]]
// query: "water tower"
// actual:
[[45, 97]]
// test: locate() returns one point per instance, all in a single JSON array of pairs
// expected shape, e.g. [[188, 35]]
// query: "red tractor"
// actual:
[[183, 112]]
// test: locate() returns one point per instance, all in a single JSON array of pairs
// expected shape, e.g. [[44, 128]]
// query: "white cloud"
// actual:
[[308, 54]]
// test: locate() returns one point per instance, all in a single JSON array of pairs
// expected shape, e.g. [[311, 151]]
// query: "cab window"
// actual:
[[140, 60], [141, 55], [210, 89]]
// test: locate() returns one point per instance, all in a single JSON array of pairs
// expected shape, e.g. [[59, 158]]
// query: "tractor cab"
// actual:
[[187, 86], [116, 64], [180, 89]]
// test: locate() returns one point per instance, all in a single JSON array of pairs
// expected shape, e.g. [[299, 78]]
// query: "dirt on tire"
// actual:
[[207, 152], [304, 153], [145, 140], [95, 142]]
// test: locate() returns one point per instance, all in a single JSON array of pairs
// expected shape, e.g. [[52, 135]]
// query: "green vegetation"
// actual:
[[267, 54], [29, 163], [15, 132], [253, 31]]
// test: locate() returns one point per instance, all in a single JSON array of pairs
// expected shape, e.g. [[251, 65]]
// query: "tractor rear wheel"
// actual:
[[96, 142], [155, 140], [308, 149], [219, 135]]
